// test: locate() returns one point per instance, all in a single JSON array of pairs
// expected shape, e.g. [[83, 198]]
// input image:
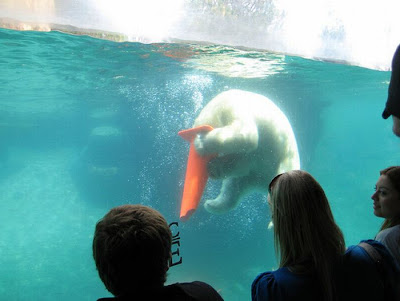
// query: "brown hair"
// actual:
[[307, 238], [393, 173], [132, 248]]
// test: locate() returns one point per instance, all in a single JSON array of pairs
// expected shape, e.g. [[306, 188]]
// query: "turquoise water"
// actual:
[[88, 124]]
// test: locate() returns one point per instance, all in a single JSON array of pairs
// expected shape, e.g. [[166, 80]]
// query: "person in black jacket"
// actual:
[[393, 101], [132, 251]]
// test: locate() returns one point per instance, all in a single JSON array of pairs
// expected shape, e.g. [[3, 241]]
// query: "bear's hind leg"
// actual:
[[230, 195]]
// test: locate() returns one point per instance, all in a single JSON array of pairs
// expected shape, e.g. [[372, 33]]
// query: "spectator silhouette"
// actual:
[[132, 251], [387, 205], [393, 100], [314, 263]]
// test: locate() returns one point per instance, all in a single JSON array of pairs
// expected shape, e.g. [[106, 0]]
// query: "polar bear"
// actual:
[[253, 140]]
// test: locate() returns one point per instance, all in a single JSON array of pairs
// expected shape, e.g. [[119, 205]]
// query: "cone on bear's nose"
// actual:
[[196, 173]]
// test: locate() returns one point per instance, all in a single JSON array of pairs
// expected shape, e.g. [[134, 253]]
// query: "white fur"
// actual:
[[254, 142]]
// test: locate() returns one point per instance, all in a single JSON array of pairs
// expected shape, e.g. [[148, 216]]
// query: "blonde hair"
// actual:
[[393, 174], [307, 238]]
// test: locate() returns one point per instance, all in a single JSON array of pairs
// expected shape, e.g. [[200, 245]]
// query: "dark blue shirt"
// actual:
[[356, 279]]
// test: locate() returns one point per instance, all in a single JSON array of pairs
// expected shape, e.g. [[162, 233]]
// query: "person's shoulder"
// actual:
[[385, 270], [263, 286], [200, 285], [360, 271], [273, 276], [264, 277], [355, 251], [270, 285], [359, 268], [359, 258], [389, 233], [198, 290], [282, 284], [358, 251]]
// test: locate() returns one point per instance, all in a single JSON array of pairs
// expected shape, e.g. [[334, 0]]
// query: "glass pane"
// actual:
[[87, 124]]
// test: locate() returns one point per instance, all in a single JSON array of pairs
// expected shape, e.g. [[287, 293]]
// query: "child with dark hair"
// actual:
[[132, 251]]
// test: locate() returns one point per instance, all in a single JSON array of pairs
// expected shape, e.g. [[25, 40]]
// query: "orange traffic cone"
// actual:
[[196, 173]]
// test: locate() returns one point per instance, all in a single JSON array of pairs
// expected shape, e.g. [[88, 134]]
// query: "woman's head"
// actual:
[[306, 235], [303, 222], [387, 196]]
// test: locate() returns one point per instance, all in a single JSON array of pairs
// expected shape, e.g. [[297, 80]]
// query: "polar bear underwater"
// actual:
[[253, 142]]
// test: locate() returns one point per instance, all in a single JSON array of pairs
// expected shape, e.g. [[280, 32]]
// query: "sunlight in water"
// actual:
[[151, 19]]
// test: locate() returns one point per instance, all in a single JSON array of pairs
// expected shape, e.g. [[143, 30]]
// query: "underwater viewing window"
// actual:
[[91, 105]]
